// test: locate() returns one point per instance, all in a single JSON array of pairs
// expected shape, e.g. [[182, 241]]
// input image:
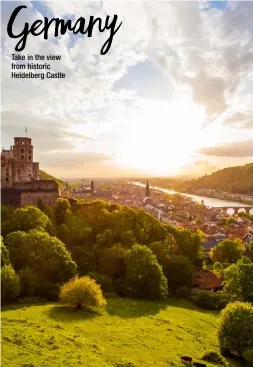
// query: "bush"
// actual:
[[235, 332], [214, 357], [5, 258], [248, 355], [210, 300], [83, 292], [10, 286], [183, 291], [102, 280]]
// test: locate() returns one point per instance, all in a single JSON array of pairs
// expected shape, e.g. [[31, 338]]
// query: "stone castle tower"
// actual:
[[17, 163]]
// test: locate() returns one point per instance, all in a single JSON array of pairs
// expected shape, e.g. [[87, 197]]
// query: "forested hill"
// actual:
[[237, 180], [46, 176]]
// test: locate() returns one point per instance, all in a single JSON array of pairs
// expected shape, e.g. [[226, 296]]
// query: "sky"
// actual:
[[173, 96]]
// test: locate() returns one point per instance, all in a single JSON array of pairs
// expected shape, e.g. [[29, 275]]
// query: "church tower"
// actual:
[[147, 193], [92, 187]]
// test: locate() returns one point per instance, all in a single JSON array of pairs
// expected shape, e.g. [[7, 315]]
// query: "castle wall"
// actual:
[[32, 197]]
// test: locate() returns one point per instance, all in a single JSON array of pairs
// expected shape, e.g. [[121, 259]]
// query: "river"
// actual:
[[209, 202]]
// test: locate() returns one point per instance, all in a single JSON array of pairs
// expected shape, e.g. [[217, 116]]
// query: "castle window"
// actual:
[[30, 158], [22, 157], [22, 150], [7, 179]]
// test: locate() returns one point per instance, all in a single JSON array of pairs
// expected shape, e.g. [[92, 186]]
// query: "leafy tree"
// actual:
[[236, 328], [179, 272], [62, 210], [63, 234], [5, 258], [144, 276], [112, 262], [128, 239], [45, 255], [188, 244], [218, 270], [238, 282], [104, 239], [227, 251], [250, 250], [84, 258], [9, 284], [28, 217], [83, 292], [162, 252]]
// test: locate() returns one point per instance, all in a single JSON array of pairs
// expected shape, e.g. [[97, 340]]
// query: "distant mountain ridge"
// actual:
[[236, 180], [45, 176]]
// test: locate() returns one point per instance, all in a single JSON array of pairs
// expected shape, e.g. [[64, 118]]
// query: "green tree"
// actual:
[[179, 272], [112, 262], [218, 270], [144, 275], [62, 210], [45, 255], [236, 328], [128, 239], [104, 239], [188, 244], [250, 250], [28, 217], [63, 234], [9, 284], [238, 282], [227, 251], [5, 257], [162, 250]]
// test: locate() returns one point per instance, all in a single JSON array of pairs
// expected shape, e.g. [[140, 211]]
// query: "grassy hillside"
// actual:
[[46, 176], [130, 334], [232, 179]]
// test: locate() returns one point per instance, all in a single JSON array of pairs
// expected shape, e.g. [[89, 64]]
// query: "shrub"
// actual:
[[248, 355], [183, 291], [82, 292], [102, 280], [9, 284], [144, 276], [210, 300], [5, 258], [235, 332], [214, 357]]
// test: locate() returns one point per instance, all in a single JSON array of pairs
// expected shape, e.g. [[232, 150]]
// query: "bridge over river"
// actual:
[[236, 209]]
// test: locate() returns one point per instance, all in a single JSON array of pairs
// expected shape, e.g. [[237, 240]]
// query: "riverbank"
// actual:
[[208, 201]]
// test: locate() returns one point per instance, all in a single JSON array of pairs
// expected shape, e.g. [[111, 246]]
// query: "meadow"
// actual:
[[130, 333]]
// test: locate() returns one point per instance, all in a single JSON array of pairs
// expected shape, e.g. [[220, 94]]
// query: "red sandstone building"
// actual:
[[20, 182]]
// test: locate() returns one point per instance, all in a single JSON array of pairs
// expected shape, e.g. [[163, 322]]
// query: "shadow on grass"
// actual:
[[131, 308], [68, 314]]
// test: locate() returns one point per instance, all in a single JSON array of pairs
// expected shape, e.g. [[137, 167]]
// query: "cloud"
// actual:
[[236, 118], [232, 149]]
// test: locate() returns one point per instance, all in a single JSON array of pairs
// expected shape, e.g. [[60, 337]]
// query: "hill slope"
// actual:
[[46, 176], [132, 333], [237, 180]]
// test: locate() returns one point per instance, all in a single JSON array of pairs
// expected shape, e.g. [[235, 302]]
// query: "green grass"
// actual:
[[129, 334]]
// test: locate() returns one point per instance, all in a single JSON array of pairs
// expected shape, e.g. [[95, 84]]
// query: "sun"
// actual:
[[160, 138]]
